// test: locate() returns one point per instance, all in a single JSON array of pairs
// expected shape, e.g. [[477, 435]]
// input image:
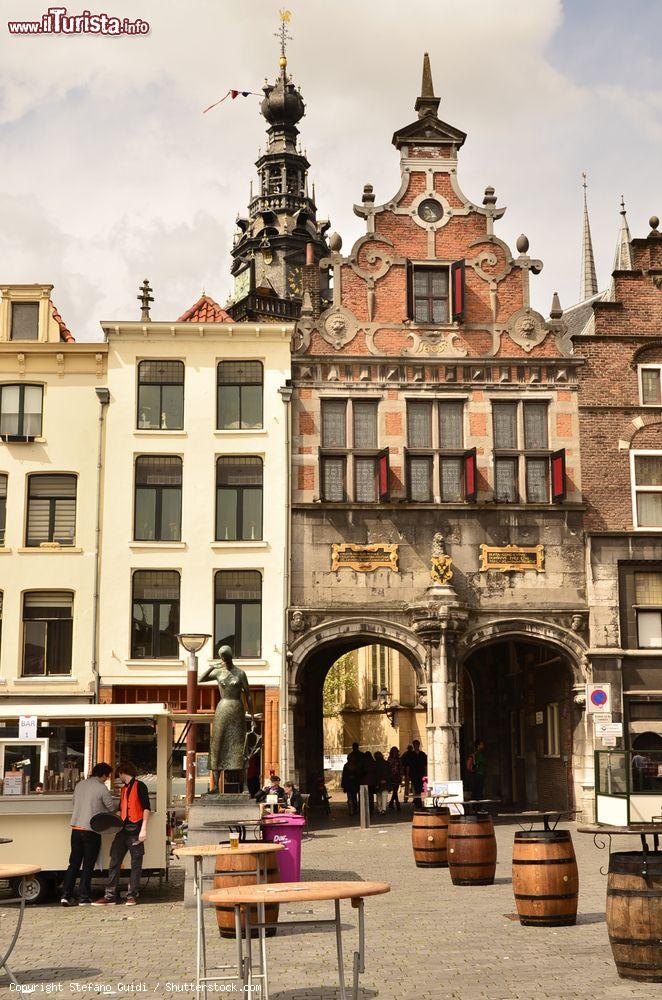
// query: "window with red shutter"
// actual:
[[470, 475], [383, 476], [457, 289], [558, 476]]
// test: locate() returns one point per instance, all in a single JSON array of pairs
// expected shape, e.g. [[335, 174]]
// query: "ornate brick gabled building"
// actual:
[[435, 424], [620, 407]]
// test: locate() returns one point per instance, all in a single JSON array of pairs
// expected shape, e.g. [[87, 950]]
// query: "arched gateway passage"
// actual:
[[312, 658], [517, 697]]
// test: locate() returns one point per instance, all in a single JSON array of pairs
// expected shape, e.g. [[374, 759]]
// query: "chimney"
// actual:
[[310, 280]]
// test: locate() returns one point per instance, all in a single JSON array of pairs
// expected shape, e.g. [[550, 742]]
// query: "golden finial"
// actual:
[[283, 35]]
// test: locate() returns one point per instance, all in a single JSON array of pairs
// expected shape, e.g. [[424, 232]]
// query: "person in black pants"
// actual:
[[135, 810], [91, 796]]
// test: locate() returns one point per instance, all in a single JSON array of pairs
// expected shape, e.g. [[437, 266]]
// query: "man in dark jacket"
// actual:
[[293, 797]]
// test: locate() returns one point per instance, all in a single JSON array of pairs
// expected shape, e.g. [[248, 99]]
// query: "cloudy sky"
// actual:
[[110, 173]]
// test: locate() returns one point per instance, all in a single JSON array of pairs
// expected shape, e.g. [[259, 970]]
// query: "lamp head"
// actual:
[[193, 641]]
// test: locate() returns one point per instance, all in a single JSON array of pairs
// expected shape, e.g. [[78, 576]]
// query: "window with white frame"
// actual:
[[552, 730], [646, 481], [650, 385], [648, 609]]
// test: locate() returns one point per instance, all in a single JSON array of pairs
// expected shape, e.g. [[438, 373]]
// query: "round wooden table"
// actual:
[[240, 826], [531, 815], [15, 872], [296, 892], [199, 852]]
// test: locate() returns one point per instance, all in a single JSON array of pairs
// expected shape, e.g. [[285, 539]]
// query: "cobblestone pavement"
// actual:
[[426, 940]]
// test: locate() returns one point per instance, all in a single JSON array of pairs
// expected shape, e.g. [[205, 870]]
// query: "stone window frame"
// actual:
[[629, 607], [436, 453], [349, 453], [522, 454], [640, 370], [634, 489]]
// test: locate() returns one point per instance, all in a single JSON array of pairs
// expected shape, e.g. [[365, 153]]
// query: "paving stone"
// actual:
[[426, 940]]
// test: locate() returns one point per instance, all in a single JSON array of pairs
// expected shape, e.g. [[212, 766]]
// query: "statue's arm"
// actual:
[[248, 694], [207, 675]]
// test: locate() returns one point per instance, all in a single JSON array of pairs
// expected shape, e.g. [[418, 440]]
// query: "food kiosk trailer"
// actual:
[[44, 750]]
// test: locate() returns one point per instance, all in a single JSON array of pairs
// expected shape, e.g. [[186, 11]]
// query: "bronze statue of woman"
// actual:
[[228, 732]]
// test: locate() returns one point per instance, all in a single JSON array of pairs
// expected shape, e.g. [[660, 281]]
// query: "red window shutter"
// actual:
[[457, 287], [383, 476], [470, 475], [558, 476], [409, 271]]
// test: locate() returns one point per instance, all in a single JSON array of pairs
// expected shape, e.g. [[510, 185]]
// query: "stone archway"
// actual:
[[522, 667], [311, 657]]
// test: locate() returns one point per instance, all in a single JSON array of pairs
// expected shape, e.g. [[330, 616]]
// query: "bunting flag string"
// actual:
[[232, 94]]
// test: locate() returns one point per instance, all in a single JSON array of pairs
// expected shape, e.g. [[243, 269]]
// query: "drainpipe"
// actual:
[[286, 395], [103, 395]]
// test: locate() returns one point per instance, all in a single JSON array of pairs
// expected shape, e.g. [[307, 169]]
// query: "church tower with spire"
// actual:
[[281, 233]]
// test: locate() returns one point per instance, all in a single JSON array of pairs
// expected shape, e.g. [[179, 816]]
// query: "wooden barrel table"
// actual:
[[231, 872], [472, 850], [634, 914], [429, 833], [545, 878]]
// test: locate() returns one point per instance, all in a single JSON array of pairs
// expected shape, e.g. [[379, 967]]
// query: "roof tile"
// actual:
[[205, 310]]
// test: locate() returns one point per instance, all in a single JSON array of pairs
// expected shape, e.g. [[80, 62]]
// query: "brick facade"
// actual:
[[623, 334], [481, 346]]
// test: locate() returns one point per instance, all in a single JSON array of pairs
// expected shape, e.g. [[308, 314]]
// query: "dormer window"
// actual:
[[435, 292], [24, 321]]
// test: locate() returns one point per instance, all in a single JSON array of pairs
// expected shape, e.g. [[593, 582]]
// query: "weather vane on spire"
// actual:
[[284, 35]]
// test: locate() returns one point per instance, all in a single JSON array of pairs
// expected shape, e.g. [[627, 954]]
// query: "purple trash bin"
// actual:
[[286, 829]]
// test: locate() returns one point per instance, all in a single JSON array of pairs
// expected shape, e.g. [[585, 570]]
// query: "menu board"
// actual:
[[13, 783]]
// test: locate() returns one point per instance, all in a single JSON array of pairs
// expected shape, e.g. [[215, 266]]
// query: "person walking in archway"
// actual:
[[382, 782], [418, 768], [476, 769], [349, 783], [395, 777]]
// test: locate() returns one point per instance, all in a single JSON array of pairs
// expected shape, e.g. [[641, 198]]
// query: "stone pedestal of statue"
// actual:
[[227, 808]]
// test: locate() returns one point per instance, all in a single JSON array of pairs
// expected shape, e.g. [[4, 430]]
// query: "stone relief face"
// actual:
[[340, 327], [527, 328]]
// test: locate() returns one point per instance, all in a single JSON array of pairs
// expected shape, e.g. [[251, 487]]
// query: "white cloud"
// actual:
[[110, 173]]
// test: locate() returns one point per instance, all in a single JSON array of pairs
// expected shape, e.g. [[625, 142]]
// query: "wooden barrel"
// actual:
[[240, 870], [429, 832], [634, 914], [545, 878], [472, 850]]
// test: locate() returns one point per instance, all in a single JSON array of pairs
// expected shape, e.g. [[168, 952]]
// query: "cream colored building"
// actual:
[[358, 689], [49, 434], [195, 505]]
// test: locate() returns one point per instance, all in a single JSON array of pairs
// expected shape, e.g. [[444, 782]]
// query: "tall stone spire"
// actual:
[[589, 281], [427, 103]]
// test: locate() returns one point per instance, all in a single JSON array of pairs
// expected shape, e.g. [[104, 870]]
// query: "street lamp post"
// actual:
[[192, 643]]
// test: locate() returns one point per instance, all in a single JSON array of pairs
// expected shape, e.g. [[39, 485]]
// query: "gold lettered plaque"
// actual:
[[364, 558], [512, 558]]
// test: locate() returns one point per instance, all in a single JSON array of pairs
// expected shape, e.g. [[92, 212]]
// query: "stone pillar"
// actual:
[[437, 619]]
